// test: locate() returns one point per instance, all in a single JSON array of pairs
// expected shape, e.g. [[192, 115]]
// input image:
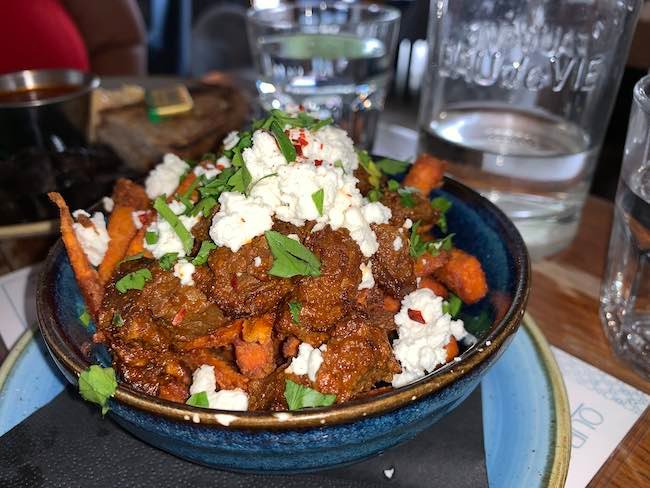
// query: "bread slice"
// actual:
[[141, 143]]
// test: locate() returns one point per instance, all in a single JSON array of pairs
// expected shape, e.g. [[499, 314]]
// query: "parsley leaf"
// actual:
[[321, 123], [393, 185], [417, 246], [202, 256], [291, 258], [318, 197], [406, 197], [97, 385], [183, 234], [217, 185], [452, 305], [392, 167], [478, 325], [299, 396], [444, 244], [374, 174], [151, 237], [199, 399], [241, 180], [204, 206], [117, 320], [167, 261], [85, 318], [441, 204], [295, 308], [374, 195], [284, 143], [133, 281]]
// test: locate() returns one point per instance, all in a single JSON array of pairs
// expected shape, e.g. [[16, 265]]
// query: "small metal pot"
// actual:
[[53, 123]]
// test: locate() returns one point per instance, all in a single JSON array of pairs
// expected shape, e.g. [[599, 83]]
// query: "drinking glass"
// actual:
[[332, 59], [517, 97], [625, 294]]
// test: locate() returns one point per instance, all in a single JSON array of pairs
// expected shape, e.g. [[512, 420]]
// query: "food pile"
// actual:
[[288, 271]]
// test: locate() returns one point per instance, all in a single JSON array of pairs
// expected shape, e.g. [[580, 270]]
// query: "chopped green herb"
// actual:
[[478, 325], [299, 396], [151, 237], [393, 185], [290, 258], [392, 167], [452, 305], [284, 143], [406, 197], [338, 164], [321, 123], [374, 174], [241, 180], [202, 256], [133, 281], [441, 204], [374, 195], [217, 185], [85, 318], [168, 260], [199, 399], [134, 257], [318, 197], [417, 246], [183, 234], [97, 385], [444, 244], [117, 320], [295, 308], [250, 189], [204, 206]]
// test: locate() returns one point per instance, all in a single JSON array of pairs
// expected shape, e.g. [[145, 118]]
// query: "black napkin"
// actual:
[[67, 443]]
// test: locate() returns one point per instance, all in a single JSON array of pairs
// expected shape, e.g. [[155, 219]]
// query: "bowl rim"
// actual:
[[88, 83], [74, 363]]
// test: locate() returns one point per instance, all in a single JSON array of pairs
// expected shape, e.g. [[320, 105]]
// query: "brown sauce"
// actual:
[[33, 94]]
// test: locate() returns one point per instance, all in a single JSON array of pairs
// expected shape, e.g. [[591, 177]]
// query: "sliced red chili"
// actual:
[[318, 162], [415, 315], [178, 318]]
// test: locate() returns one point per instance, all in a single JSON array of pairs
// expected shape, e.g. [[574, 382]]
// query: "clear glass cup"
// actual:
[[333, 59], [625, 293], [517, 96]]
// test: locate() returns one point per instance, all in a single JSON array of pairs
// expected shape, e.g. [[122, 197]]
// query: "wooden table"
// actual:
[[564, 302]]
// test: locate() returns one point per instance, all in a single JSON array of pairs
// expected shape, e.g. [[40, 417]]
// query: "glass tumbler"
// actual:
[[625, 294], [332, 59], [517, 97]]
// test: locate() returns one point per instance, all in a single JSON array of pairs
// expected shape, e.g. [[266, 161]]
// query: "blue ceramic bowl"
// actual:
[[314, 438]]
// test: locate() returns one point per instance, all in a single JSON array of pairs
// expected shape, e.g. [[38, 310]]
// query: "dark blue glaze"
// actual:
[[479, 229]]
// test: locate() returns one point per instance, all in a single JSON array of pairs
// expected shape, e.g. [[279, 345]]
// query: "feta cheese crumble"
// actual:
[[285, 190], [308, 361], [108, 204], [93, 239], [397, 243], [183, 270], [408, 223], [239, 220], [420, 347], [367, 278], [168, 241], [231, 140], [257, 261], [203, 379], [165, 177], [135, 217]]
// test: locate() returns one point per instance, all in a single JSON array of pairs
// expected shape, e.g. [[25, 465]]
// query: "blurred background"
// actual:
[[193, 38]]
